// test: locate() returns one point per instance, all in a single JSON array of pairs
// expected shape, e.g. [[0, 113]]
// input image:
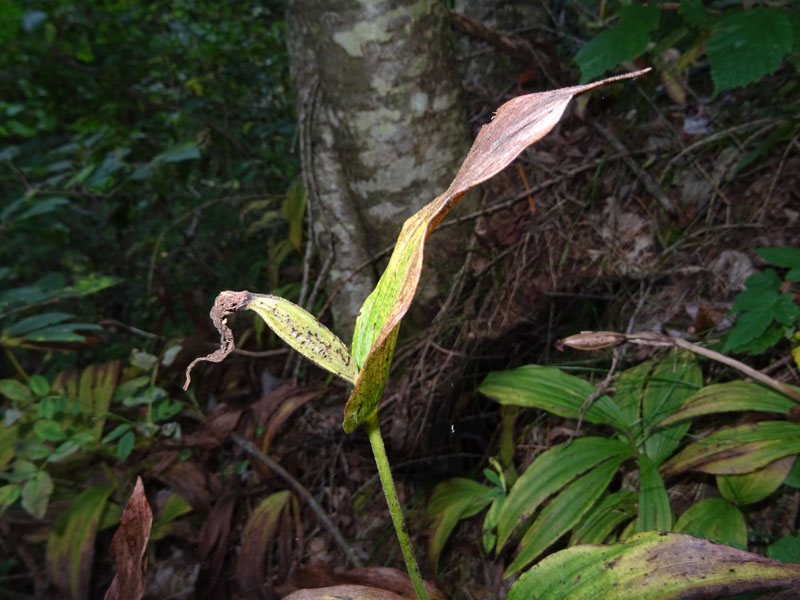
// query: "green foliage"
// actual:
[[566, 487], [743, 43], [766, 311]]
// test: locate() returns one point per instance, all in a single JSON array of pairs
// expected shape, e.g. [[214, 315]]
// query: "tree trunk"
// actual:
[[383, 129]]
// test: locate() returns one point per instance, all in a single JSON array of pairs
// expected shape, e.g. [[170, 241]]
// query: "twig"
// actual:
[[599, 390], [594, 340], [301, 491]]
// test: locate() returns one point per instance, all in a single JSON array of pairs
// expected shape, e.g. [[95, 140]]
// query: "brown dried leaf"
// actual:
[[214, 535], [128, 546], [377, 579], [345, 592]]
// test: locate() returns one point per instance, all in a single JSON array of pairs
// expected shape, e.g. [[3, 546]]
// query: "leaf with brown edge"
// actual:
[[128, 546], [262, 528], [518, 123], [70, 546]]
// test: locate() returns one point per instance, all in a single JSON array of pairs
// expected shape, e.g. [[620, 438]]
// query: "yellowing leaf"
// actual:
[[517, 124]]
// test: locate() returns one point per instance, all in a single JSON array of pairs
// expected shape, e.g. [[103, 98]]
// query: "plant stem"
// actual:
[[385, 472]]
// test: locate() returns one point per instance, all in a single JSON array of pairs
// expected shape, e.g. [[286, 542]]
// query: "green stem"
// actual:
[[385, 472]]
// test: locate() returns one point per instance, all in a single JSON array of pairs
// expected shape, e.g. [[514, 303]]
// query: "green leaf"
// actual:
[[549, 473], [749, 488], [174, 507], [625, 41], [749, 326], [792, 479], [731, 397], [452, 500], [781, 256], [35, 322], [39, 385], [63, 450], [610, 512], [786, 549], [716, 520], [694, 13], [630, 392], [294, 208], [49, 431], [125, 445], [551, 389], [673, 381], [655, 512], [516, 125], [70, 546], [181, 152], [95, 391], [8, 441], [761, 288], [9, 494], [652, 566], [746, 45], [63, 332], [36, 494], [33, 450], [563, 512], [14, 390], [785, 310], [303, 332], [735, 450]]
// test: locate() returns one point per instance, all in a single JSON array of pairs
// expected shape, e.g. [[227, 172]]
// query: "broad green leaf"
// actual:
[[70, 546], [14, 390], [125, 445], [746, 45], [625, 41], [36, 494], [34, 322], [42, 206], [655, 512], [629, 394], [716, 520], [549, 473], [9, 494], [694, 13], [563, 512], [792, 479], [736, 450], [39, 385], [261, 530], [33, 450], [517, 124], [749, 488], [673, 380], [116, 432], [452, 500], [601, 521], [652, 566], [303, 332], [63, 332], [181, 152], [174, 507], [786, 549], [63, 450], [552, 390], [730, 397], [49, 431], [782, 256]]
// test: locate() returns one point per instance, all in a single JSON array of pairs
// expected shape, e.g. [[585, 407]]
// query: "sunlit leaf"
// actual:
[[652, 566], [517, 124], [303, 332], [714, 519]]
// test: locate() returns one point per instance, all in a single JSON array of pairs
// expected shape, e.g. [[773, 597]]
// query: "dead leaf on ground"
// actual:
[[128, 546], [214, 536]]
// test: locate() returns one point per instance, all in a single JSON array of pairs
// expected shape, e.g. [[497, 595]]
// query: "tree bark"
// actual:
[[383, 126]]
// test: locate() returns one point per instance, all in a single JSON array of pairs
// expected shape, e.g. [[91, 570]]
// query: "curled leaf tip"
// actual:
[[227, 302]]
